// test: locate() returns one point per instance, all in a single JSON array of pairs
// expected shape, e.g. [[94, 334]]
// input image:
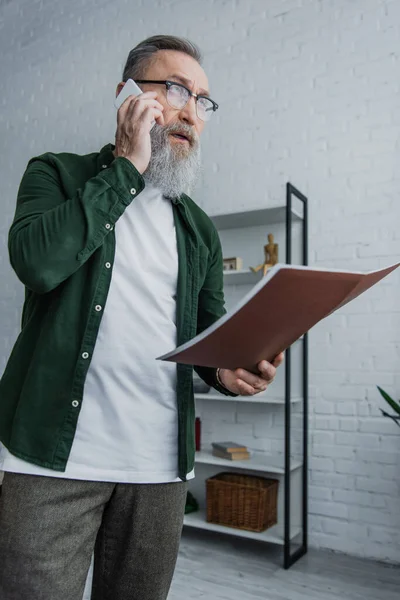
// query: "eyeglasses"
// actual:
[[178, 95]]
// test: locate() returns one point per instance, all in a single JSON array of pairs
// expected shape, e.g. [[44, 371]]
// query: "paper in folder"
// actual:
[[277, 311]]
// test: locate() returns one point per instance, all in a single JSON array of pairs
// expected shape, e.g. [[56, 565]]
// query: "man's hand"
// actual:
[[134, 120], [244, 383]]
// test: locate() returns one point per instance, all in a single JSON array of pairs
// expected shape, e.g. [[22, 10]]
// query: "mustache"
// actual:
[[183, 128]]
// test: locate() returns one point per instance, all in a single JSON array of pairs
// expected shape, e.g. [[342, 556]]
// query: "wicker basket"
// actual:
[[242, 501]]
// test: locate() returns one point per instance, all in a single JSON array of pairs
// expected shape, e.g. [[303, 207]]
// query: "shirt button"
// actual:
[[75, 403], [85, 355], [98, 307], [108, 226], [108, 265], [133, 191], [104, 166]]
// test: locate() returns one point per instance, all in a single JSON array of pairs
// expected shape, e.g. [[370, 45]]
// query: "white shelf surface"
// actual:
[[262, 398], [242, 277], [273, 535], [254, 218], [262, 463]]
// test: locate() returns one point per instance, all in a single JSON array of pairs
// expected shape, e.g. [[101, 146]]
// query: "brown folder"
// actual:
[[279, 309]]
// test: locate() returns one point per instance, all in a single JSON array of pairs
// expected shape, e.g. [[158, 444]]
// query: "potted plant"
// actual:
[[393, 404]]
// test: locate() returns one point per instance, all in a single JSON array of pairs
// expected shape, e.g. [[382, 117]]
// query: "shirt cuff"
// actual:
[[124, 179]]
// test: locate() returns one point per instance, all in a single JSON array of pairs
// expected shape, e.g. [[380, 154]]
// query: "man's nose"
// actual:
[[188, 112]]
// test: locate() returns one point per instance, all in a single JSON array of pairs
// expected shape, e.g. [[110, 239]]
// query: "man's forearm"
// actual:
[[51, 236]]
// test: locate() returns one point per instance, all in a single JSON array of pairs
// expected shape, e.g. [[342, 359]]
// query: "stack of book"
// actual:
[[230, 451]]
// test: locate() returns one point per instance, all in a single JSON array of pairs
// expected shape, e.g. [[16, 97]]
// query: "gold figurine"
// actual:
[[271, 256]]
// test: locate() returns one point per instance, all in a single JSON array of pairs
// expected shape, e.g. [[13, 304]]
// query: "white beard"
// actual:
[[174, 169]]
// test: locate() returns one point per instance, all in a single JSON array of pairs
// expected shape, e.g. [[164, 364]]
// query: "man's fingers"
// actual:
[[267, 370], [126, 106], [250, 384], [159, 118], [245, 388], [278, 360], [139, 105], [134, 104], [250, 379]]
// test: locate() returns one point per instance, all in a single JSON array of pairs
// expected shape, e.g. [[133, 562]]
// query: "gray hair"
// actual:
[[140, 56]]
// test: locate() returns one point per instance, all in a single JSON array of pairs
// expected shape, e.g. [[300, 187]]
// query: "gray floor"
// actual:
[[224, 568]]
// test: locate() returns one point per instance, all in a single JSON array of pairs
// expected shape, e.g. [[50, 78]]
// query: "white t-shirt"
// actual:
[[127, 430]]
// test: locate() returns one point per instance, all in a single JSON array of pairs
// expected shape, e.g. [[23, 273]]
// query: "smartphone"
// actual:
[[130, 88]]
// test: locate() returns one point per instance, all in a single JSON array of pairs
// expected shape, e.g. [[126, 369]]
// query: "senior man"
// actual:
[[119, 266]]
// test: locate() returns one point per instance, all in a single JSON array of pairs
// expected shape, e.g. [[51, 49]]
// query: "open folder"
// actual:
[[277, 311]]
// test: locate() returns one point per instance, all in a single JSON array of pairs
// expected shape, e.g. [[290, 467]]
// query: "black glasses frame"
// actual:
[[169, 83]]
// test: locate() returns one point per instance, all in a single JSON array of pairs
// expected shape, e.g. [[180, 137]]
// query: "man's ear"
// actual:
[[119, 87]]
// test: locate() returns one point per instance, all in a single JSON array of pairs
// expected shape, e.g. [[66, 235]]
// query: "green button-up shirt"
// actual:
[[61, 246]]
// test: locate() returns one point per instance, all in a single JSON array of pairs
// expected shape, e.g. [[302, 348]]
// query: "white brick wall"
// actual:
[[309, 92]]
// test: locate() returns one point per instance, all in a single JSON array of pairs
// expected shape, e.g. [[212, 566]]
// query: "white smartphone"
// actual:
[[130, 88]]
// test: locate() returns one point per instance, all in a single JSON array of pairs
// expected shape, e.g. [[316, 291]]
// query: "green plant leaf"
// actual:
[[395, 419], [395, 405]]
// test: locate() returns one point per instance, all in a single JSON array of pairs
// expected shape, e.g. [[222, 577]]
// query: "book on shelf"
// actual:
[[276, 312], [231, 455], [229, 447]]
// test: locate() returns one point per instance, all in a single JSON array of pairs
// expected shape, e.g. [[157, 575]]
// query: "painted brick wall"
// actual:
[[309, 92]]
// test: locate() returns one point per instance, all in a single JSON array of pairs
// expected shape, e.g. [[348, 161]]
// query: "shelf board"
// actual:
[[242, 277], [254, 218], [262, 398], [273, 535], [265, 464]]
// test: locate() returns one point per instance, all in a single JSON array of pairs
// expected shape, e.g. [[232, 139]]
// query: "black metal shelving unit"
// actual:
[[293, 538]]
